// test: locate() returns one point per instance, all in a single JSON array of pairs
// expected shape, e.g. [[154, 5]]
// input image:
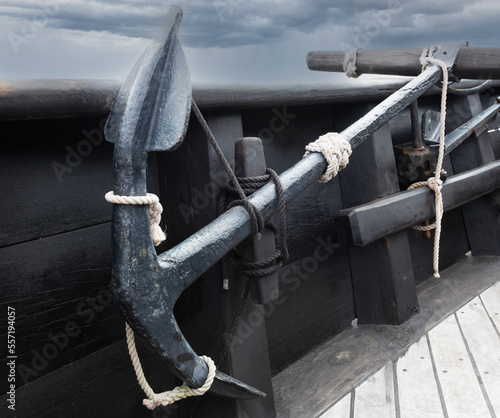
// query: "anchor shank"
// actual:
[[202, 250]]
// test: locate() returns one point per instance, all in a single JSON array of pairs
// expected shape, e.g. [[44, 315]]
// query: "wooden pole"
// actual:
[[473, 63]]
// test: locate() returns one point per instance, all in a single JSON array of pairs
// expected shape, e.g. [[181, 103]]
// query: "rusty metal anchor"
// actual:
[[152, 113]]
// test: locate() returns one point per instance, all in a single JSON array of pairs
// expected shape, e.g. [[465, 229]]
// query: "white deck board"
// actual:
[[484, 345], [459, 350], [461, 390], [342, 409], [375, 397], [416, 398], [491, 300]]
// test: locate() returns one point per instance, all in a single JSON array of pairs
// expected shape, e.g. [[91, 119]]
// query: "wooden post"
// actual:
[[481, 217], [205, 311], [382, 272]]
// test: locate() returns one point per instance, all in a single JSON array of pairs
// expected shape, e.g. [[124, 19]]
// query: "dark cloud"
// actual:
[[234, 40]]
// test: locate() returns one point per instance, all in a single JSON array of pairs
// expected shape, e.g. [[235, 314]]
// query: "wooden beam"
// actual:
[[474, 63], [361, 225]]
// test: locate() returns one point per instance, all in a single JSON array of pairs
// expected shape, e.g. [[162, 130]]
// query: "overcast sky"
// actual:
[[255, 41]]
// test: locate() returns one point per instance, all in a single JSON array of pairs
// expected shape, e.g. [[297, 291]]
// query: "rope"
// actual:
[[179, 392], [170, 396], [435, 183], [336, 151], [155, 211], [249, 185], [253, 212], [349, 64]]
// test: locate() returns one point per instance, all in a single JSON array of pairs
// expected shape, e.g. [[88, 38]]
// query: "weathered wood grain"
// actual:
[[102, 384], [332, 369], [417, 388], [461, 390], [482, 63], [479, 333], [382, 273], [60, 289]]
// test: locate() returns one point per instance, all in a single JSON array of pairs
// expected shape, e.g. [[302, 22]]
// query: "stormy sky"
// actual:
[[247, 41]]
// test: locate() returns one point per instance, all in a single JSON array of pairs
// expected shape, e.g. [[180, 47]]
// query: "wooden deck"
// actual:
[[447, 364], [452, 371]]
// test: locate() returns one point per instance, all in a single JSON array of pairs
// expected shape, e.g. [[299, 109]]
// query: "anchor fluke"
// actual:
[[154, 102]]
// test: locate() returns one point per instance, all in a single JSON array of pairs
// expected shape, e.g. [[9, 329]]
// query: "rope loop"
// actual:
[[155, 211], [336, 151], [170, 396], [349, 64]]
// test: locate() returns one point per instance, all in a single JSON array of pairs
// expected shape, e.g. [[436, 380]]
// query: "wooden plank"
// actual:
[[491, 300], [376, 396], [102, 384], [417, 387], [342, 409], [60, 288], [315, 303], [53, 186], [34, 99], [461, 391], [483, 343], [332, 369], [47, 99], [55, 176]]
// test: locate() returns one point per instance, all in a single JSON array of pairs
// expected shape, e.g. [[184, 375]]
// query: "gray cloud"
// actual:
[[229, 39]]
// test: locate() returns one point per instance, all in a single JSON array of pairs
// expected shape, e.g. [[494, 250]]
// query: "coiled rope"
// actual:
[[336, 151]]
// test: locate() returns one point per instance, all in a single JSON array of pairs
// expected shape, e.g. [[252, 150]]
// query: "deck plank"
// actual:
[[342, 409], [483, 343], [491, 300], [375, 397], [418, 400], [461, 390]]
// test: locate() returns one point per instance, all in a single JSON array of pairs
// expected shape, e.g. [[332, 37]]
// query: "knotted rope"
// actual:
[[170, 396], [155, 211], [349, 64], [336, 151], [158, 236], [435, 183]]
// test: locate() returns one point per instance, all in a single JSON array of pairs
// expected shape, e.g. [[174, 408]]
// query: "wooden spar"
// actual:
[[472, 63]]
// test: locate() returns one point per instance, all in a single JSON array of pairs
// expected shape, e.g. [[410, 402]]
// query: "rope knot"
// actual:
[[435, 184], [336, 151]]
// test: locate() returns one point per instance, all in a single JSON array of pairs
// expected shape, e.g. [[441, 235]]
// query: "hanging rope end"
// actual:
[[436, 274]]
